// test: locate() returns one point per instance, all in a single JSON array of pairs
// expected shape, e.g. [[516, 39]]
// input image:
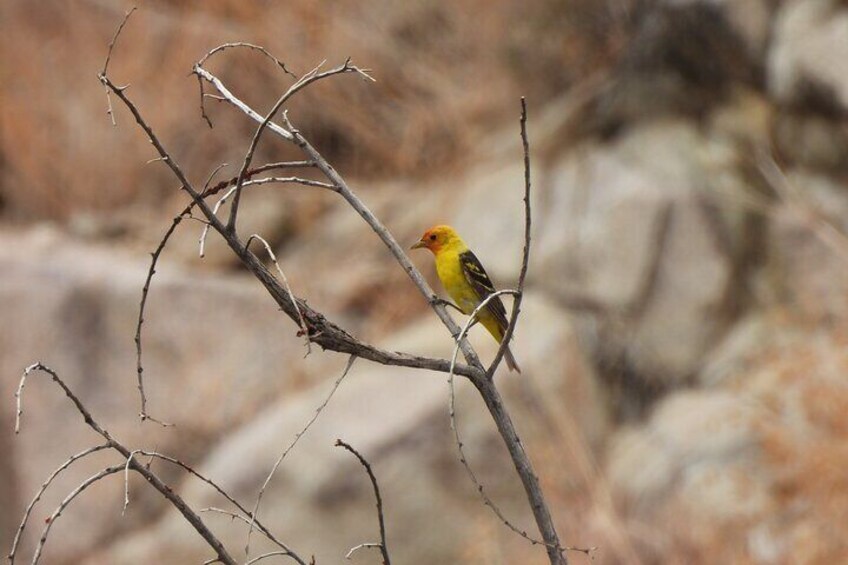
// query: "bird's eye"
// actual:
[[433, 237]]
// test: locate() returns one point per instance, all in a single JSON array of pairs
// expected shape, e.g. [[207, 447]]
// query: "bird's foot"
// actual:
[[446, 303]]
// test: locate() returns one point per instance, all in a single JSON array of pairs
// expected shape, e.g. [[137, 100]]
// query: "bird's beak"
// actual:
[[419, 245]]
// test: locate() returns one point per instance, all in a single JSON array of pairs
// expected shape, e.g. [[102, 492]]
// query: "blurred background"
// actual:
[[683, 337]]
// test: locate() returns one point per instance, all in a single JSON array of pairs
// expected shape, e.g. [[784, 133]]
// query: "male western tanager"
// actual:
[[466, 281]]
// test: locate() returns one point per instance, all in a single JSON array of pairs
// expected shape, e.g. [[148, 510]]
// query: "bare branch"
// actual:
[[127, 480], [384, 549], [301, 321], [68, 499], [41, 491], [291, 180], [266, 555], [343, 189], [286, 451], [241, 44], [145, 291], [149, 476], [305, 80], [525, 259], [463, 458], [109, 57], [354, 549], [327, 334]]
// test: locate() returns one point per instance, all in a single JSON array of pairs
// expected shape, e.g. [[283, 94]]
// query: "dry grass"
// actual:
[[446, 72]]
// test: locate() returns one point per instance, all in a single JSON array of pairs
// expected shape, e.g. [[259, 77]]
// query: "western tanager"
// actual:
[[466, 281]]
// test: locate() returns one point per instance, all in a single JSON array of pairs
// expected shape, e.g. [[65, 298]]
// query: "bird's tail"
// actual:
[[510, 361]]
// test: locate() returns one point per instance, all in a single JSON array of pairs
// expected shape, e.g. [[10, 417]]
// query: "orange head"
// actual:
[[437, 238]]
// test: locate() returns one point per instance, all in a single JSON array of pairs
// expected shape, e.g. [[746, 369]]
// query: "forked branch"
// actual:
[[320, 330]]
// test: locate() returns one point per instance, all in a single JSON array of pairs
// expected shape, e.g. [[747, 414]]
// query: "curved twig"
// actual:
[[384, 548], [109, 111], [238, 44], [153, 479], [41, 491], [463, 458], [68, 499]]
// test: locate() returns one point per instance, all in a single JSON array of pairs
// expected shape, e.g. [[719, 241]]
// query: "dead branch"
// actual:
[[525, 259], [384, 548], [345, 191], [355, 548], [463, 458], [321, 330], [43, 488], [114, 444], [64, 504], [301, 323]]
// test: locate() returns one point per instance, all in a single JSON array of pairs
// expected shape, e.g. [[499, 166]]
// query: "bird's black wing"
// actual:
[[476, 276]]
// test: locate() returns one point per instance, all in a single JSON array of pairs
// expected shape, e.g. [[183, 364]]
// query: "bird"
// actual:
[[466, 281]]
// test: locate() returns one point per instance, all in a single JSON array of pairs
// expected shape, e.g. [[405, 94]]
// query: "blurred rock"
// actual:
[[690, 436], [751, 19], [813, 141], [695, 466], [639, 229], [808, 246], [683, 58], [809, 48]]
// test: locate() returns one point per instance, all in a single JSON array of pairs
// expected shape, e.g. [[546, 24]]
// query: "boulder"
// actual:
[[641, 232], [809, 50], [807, 248]]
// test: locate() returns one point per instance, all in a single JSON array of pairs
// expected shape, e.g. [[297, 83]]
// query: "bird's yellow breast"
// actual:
[[449, 269]]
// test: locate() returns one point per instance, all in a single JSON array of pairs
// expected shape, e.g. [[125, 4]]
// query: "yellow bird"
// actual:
[[466, 281]]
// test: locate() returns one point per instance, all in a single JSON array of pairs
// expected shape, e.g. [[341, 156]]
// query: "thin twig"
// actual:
[[463, 458], [303, 327], [310, 77], [384, 549], [286, 451], [474, 365], [242, 518], [109, 57], [41, 491], [68, 499], [266, 555], [242, 44], [149, 476], [257, 182], [525, 259], [127, 480], [355, 548], [145, 291], [290, 180], [205, 232]]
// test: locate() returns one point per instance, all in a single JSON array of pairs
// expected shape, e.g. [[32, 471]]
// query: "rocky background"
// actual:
[[684, 334]]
